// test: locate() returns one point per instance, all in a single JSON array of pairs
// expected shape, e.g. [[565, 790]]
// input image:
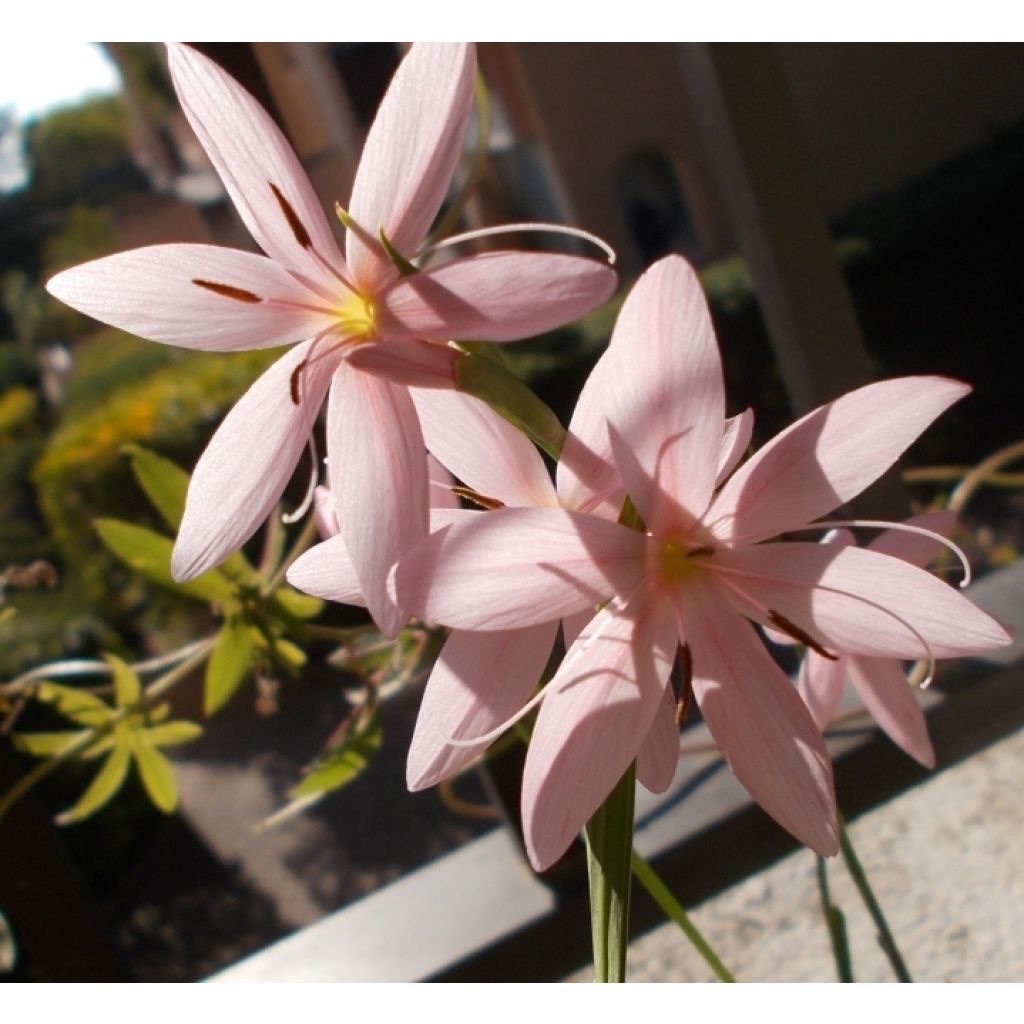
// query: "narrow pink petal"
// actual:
[[152, 292], [828, 457], [496, 296], [248, 462], [253, 157], [759, 721], [658, 757], [892, 703], [598, 711], [820, 683], [483, 449], [587, 477], [418, 364], [325, 512], [377, 469], [410, 155], [735, 441], [327, 571], [857, 601], [668, 409], [518, 567], [441, 482], [479, 681], [912, 547]]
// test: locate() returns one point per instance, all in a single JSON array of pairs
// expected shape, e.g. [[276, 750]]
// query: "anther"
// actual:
[[793, 630], [478, 499], [227, 290], [686, 689], [298, 228], [293, 382]]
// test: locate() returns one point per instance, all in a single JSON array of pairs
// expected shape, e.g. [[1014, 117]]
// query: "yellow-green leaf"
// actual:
[[80, 707], [44, 744], [341, 766], [107, 782], [127, 688], [298, 606], [288, 654], [165, 483], [150, 554], [156, 772], [170, 734], [228, 665]]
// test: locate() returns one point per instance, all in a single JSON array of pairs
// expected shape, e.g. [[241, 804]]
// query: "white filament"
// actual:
[[314, 478], [505, 229]]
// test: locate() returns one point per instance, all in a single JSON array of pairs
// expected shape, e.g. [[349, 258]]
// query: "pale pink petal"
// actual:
[[587, 477], [325, 512], [377, 469], [496, 296], [820, 683], [441, 482], [912, 547], [248, 462], [759, 722], [154, 293], [518, 567], [410, 155], [668, 408], [253, 158], [856, 601], [327, 571], [828, 457], [483, 449], [598, 711], [735, 441], [892, 703], [479, 681], [658, 757], [417, 364]]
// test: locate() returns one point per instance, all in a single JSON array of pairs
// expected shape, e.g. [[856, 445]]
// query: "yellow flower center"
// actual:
[[679, 562], [356, 318]]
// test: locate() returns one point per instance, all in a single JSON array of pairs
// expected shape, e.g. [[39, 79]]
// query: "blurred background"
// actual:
[[856, 212]]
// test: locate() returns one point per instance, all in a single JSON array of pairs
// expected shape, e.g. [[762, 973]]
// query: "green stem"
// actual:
[[673, 910], [860, 879], [836, 924], [302, 542], [200, 653], [609, 835]]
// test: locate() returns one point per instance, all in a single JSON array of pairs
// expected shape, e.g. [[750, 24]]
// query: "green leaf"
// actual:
[[150, 554], [298, 606], [165, 483], [101, 790], [44, 744], [290, 655], [81, 708], [228, 665], [340, 766], [156, 772], [171, 734], [127, 688]]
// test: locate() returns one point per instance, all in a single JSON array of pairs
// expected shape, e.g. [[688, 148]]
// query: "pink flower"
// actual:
[[348, 314], [695, 575], [881, 683]]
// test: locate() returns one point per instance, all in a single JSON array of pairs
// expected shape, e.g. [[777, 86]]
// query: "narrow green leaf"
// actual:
[[44, 744], [101, 790], [150, 554], [156, 772], [165, 483], [127, 688], [340, 766], [298, 606], [171, 734], [80, 707], [228, 665], [290, 655]]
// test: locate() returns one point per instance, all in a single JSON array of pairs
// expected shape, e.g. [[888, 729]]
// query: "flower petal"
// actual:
[[377, 467], [658, 756], [418, 364], [496, 296], [828, 457], [479, 681], [327, 571], [598, 711], [668, 409], [164, 293], [759, 721], [253, 159], [410, 155], [482, 449], [820, 684], [892, 703], [248, 463], [518, 567], [856, 601], [735, 440], [912, 547]]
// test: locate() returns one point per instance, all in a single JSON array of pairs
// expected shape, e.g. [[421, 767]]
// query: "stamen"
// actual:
[[779, 621], [227, 290], [686, 690], [298, 228], [356, 228], [875, 524], [477, 498], [311, 358], [314, 479], [293, 381], [505, 229]]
